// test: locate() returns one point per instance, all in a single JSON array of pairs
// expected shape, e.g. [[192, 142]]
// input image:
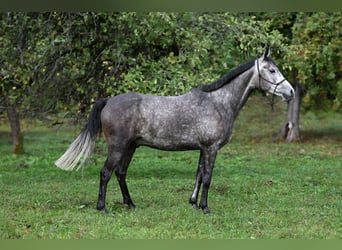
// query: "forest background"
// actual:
[[55, 65]]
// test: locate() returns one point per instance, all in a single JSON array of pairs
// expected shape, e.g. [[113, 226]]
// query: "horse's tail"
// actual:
[[81, 148]]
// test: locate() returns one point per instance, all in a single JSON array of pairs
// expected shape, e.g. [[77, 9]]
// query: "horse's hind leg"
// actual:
[[121, 173], [112, 162], [105, 175]]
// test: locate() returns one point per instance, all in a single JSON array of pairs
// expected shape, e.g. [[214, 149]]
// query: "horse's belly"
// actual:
[[172, 143]]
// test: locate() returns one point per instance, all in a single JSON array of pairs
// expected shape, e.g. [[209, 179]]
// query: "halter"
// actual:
[[270, 101]]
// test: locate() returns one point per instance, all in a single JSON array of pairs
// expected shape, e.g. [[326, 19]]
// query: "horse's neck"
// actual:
[[234, 95]]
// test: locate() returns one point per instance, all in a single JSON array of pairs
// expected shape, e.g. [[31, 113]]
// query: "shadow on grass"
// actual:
[[164, 172], [328, 134]]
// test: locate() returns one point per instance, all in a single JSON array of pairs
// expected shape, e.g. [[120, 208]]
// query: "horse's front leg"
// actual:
[[209, 155], [194, 196]]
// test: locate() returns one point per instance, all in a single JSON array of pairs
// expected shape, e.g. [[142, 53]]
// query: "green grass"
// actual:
[[259, 190]]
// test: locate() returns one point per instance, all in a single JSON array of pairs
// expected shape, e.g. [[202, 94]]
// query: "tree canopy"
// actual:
[[56, 62], [317, 55]]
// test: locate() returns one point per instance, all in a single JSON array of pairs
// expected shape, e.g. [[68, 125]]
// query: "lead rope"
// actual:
[[269, 100]]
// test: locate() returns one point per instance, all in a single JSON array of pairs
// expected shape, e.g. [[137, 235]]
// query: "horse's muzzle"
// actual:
[[288, 97]]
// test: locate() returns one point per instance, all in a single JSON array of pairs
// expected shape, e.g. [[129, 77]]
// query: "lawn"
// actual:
[[260, 189]]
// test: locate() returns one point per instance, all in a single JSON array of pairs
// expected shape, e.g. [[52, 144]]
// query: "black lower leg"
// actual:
[[194, 196], [121, 173], [206, 178], [204, 200], [124, 190], [198, 183], [105, 176]]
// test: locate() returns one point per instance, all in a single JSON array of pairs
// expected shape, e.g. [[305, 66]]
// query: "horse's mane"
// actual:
[[228, 77]]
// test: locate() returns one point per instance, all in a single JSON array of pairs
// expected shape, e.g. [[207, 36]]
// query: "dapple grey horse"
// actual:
[[201, 119]]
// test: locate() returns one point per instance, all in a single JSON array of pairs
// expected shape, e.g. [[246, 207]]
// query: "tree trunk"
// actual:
[[289, 131], [17, 136]]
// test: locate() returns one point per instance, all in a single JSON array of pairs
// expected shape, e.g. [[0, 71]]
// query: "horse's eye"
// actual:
[[272, 70]]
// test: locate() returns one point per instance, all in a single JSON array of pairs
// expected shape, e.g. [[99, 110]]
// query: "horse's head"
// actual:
[[271, 79]]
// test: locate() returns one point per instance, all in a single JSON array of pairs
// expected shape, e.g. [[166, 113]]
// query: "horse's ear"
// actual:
[[267, 52]]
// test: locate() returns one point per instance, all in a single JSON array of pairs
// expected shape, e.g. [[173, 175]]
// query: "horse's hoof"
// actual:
[[206, 210], [131, 206], [194, 206], [105, 211]]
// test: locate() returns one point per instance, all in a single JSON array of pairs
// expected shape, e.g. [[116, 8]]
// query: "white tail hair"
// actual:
[[77, 153], [84, 144]]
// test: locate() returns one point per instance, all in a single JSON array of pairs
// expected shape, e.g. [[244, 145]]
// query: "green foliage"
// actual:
[[317, 55], [174, 52], [53, 62], [311, 52], [58, 60]]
